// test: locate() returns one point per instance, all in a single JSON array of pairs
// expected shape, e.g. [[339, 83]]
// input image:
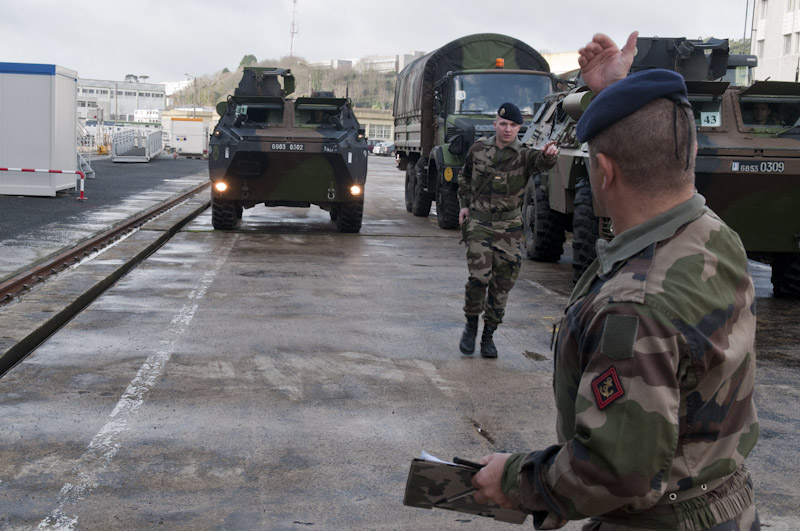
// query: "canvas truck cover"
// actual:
[[414, 91]]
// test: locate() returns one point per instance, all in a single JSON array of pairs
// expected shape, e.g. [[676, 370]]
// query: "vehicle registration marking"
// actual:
[[287, 146], [758, 167]]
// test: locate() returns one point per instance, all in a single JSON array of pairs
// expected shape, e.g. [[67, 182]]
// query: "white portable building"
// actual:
[[38, 113]]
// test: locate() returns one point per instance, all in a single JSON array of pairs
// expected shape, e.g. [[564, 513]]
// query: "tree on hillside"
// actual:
[[739, 46], [248, 60]]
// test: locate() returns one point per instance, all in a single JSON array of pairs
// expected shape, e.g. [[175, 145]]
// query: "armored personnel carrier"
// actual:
[[748, 161], [272, 150]]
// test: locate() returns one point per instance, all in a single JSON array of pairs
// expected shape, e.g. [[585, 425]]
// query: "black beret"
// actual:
[[628, 95], [509, 111]]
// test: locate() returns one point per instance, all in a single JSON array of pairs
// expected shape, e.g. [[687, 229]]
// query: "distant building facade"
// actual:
[[776, 39], [118, 101], [378, 123]]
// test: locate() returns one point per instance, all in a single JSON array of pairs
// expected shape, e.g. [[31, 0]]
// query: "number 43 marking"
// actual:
[[709, 119]]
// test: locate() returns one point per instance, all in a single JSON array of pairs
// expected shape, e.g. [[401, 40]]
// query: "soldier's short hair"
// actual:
[[653, 147]]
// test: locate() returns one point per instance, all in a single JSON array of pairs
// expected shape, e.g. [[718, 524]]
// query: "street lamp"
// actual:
[[194, 102]]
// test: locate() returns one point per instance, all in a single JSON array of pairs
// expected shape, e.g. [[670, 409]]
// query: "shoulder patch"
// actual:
[[619, 335], [607, 388]]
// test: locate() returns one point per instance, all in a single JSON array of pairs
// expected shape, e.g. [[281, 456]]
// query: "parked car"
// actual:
[[371, 143], [385, 149]]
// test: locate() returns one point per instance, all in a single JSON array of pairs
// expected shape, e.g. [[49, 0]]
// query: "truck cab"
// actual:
[[448, 99]]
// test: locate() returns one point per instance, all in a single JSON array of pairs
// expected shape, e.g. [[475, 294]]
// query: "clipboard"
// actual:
[[436, 484]]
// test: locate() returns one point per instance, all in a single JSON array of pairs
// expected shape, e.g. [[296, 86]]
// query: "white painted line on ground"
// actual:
[[105, 445]]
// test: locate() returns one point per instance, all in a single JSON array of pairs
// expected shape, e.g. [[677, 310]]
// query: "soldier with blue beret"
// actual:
[[655, 357], [491, 188]]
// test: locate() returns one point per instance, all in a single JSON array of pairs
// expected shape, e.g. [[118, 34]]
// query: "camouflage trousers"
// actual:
[[493, 260]]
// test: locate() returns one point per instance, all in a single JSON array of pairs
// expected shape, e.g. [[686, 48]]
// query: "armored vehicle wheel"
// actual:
[[409, 186], [446, 206], [786, 275], [225, 214], [421, 200], [348, 218], [334, 212], [544, 228], [585, 231]]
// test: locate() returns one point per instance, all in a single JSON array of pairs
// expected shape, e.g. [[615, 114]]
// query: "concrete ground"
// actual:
[[283, 376]]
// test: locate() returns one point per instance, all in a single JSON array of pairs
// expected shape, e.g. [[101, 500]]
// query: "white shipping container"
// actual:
[[38, 118], [189, 136]]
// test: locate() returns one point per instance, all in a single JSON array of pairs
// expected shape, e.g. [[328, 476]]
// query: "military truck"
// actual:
[[278, 151], [748, 171], [445, 100]]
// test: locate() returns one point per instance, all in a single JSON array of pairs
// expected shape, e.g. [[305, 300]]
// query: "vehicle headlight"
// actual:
[[220, 186], [355, 190]]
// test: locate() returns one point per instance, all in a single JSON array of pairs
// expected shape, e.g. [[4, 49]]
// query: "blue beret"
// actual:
[[509, 111], [628, 95]]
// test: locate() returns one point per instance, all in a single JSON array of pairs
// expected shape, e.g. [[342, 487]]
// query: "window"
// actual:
[[760, 48], [787, 44], [763, 9], [789, 5], [378, 131], [769, 111]]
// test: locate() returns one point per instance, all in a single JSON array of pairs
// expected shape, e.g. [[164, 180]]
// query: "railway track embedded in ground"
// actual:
[[23, 281]]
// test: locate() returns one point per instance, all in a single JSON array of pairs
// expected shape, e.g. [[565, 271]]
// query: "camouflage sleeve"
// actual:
[[465, 181], [537, 161], [626, 411]]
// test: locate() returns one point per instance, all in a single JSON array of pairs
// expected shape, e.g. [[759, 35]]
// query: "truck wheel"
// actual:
[[224, 214], [786, 275], [446, 206], [409, 186], [348, 218], [544, 228], [421, 200], [585, 231], [334, 212]]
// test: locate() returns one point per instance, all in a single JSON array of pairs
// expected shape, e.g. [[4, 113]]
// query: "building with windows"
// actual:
[[776, 39], [118, 101], [378, 123]]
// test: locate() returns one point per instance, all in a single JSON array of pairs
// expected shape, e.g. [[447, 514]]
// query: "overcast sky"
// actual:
[[165, 39]]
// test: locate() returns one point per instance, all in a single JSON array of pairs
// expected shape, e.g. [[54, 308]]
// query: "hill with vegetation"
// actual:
[[366, 88]]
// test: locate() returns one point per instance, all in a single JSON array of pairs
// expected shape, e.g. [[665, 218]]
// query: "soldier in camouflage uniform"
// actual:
[[655, 357], [490, 189]]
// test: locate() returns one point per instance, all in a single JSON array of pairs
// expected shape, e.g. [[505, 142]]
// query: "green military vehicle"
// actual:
[[748, 167], [446, 100], [278, 151]]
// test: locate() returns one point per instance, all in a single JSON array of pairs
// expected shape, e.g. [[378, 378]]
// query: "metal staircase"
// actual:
[[86, 143]]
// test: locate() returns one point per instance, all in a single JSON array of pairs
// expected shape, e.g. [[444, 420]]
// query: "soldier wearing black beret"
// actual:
[[654, 360], [490, 192]]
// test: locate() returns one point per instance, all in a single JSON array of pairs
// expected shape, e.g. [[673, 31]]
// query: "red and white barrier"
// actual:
[[74, 172]]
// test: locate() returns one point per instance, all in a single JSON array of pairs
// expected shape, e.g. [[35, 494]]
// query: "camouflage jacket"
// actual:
[[509, 168], [654, 375]]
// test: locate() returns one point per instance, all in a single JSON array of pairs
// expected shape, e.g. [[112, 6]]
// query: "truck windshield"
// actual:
[[485, 93], [317, 115], [769, 112], [260, 114]]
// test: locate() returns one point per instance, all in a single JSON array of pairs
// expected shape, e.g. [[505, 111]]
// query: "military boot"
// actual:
[[488, 350], [467, 344]]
